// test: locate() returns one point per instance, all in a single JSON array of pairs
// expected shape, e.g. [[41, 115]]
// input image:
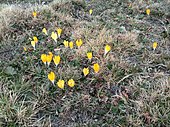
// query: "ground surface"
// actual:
[[132, 87]]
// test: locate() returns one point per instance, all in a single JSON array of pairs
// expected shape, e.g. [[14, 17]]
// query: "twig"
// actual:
[[124, 78]]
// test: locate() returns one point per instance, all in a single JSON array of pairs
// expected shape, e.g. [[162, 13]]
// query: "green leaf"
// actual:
[[10, 70]]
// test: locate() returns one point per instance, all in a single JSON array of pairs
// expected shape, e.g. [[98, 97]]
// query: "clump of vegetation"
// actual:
[[85, 63]]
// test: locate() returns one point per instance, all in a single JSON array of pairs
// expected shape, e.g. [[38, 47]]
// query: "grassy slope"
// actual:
[[132, 88]]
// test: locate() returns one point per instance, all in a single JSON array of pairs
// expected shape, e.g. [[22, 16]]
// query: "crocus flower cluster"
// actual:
[[49, 57], [60, 83]]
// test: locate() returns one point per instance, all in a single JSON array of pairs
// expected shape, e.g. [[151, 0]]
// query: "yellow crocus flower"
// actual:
[[25, 49], [71, 83], [50, 53], [89, 55], [148, 11], [54, 36], [90, 11], [154, 45], [60, 84], [71, 44], [56, 60], [35, 39], [79, 43], [49, 58], [59, 30], [85, 71], [44, 30], [34, 14], [44, 58], [33, 44], [51, 77], [65, 43], [107, 49], [96, 67]]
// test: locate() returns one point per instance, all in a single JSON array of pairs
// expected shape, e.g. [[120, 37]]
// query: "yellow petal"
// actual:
[[71, 83], [107, 49], [90, 11], [50, 53], [71, 44], [25, 49], [85, 71], [60, 84], [79, 43], [35, 39], [148, 11], [34, 14], [65, 43], [154, 45], [49, 58], [54, 36], [44, 31], [59, 30], [56, 60], [89, 55], [44, 58], [51, 77], [96, 68], [33, 44]]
